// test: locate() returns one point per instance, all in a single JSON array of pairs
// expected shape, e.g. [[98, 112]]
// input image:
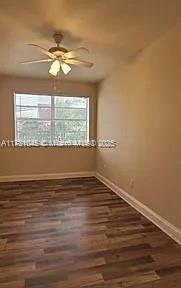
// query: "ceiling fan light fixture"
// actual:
[[65, 68], [55, 68]]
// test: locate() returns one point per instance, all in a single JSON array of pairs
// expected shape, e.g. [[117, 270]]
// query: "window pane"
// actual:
[[73, 102], [18, 114], [70, 113], [59, 130], [41, 112], [17, 99], [26, 112], [71, 125], [33, 130], [32, 100], [75, 136], [65, 128], [75, 126]]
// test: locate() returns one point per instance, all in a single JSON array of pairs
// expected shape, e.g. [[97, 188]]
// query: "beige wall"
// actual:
[[140, 107], [15, 161]]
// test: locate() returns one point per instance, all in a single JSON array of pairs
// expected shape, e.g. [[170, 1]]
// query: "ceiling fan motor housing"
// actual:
[[60, 50]]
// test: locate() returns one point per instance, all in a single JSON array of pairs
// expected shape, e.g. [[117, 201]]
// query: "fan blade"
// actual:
[[75, 52], [36, 61], [78, 62], [65, 68], [44, 51]]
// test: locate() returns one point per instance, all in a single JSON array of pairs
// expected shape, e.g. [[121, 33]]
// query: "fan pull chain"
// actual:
[[56, 82]]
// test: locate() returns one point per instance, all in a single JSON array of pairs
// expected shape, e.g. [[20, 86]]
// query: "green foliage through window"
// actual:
[[51, 118]]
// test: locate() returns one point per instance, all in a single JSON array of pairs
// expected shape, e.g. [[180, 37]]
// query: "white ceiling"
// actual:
[[114, 31]]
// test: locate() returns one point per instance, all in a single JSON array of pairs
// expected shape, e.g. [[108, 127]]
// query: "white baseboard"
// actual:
[[159, 221], [29, 177]]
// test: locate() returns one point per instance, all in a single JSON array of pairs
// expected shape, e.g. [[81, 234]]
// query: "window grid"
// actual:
[[54, 132]]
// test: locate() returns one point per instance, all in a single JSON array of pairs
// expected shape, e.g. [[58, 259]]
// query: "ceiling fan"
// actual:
[[60, 57]]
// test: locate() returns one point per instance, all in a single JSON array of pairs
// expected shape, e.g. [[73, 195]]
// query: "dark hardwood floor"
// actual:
[[77, 233]]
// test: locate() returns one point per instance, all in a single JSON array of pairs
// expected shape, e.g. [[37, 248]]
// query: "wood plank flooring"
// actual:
[[77, 233]]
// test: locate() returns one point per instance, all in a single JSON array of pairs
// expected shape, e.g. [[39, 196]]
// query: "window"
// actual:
[[48, 119]]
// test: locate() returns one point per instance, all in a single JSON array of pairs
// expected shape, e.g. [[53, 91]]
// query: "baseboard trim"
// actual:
[[159, 221], [13, 178]]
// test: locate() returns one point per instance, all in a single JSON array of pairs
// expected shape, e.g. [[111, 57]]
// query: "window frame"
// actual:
[[52, 97]]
